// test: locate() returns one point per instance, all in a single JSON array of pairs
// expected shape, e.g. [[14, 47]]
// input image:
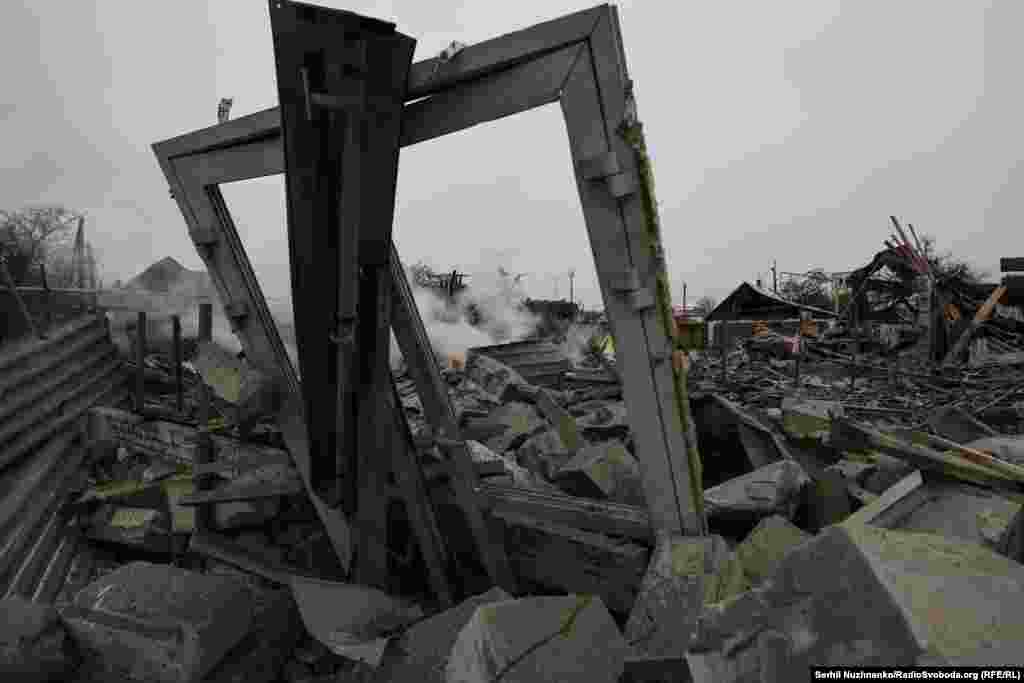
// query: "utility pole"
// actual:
[[572, 274], [775, 277], [684, 295]]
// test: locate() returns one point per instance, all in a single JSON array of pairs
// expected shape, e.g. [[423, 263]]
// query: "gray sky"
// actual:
[[787, 130]]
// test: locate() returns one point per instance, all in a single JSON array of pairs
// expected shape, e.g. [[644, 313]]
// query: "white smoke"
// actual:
[[450, 326]]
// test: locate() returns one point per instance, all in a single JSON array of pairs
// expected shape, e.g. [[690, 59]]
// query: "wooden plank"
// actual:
[[418, 505], [615, 519], [892, 496], [527, 86], [593, 109], [411, 335]]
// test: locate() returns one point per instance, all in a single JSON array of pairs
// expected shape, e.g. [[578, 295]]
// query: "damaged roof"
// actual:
[[749, 302]]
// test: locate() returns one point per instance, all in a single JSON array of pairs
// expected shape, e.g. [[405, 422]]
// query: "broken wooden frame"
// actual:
[[577, 61]]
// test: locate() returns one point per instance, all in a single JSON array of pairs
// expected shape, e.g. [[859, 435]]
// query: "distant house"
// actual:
[[167, 276], [733, 318], [748, 302]]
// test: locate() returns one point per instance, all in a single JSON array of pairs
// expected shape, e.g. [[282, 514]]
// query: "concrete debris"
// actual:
[[809, 419], [422, 652], [519, 422], [525, 476], [560, 557], [684, 575], [862, 596], [605, 421], [544, 453], [565, 639], [34, 644], [262, 653], [603, 471], [862, 474], [773, 489], [352, 621], [771, 540], [152, 622], [493, 376]]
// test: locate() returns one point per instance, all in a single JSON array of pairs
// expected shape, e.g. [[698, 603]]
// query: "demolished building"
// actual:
[[724, 517]]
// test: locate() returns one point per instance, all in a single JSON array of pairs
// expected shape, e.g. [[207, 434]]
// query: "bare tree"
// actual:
[[33, 236], [948, 267], [704, 305]]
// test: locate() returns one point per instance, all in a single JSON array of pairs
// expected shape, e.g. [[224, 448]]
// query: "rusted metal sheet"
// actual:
[[46, 388], [539, 361]]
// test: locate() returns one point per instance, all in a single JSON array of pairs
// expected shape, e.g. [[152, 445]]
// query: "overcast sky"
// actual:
[[787, 130]]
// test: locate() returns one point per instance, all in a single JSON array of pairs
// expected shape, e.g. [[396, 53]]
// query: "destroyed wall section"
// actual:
[[577, 61]]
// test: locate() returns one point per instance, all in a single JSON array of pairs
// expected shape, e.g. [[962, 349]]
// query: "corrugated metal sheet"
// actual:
[[539, 361], [46, 388]]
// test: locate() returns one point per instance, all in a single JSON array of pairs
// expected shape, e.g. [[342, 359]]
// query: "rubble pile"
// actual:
[[882, 463]]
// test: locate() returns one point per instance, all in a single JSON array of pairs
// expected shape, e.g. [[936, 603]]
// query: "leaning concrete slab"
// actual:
[[564, 639], [684, 575], [153, 622], [34, 645], [420, 654], [859, 595], [765, 547]]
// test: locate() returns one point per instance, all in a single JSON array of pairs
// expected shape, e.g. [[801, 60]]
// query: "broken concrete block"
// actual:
[[685, 574], [858, 595], [807, 419], [518, 420], [951, 509], [519, 475], [564, 423], [422, 651], [773, 489], [609, 421], [828, 500], [350, 620], [604, 470], [259, 656], [560, 557], [563, 639], [154, 622], [764, 548], [34, 645], [493, 376], [544, 453]]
